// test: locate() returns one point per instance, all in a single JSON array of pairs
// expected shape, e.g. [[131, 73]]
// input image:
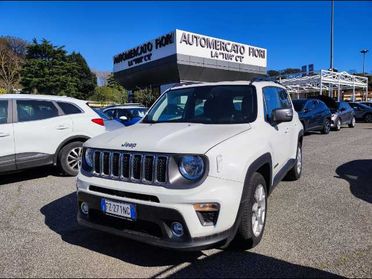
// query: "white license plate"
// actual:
[[119, 209]]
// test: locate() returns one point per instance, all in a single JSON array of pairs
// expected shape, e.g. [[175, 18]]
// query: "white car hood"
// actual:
[[167, 137]]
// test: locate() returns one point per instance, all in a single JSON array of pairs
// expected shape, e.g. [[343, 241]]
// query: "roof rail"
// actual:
[[187, 83], [265, 78]]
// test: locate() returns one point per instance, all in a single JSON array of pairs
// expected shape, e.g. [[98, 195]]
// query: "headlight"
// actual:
[[88, 156], [191, 167]]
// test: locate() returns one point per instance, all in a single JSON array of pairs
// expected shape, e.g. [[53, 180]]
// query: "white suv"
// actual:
[[39, 130], [197, 170]]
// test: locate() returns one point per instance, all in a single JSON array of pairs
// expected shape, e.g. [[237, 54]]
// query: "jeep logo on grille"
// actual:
[[129, 145]]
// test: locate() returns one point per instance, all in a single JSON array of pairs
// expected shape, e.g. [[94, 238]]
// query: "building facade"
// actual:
[[181, 56]]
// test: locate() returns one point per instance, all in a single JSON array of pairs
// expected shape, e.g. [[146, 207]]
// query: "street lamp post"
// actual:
[[364, 51], [332, 35]]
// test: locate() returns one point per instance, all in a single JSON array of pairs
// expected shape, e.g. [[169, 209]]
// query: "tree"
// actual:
[[289, 71], [48, 69], [12, 55], [106, 94], [273, 73], [112, 82], [146, 96], [87, 79], [111, 92]]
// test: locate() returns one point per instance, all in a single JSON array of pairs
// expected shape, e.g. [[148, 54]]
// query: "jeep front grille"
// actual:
[[131, 167]]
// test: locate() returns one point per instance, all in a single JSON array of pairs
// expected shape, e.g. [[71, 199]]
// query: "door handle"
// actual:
[[62, 127], [2, 135]]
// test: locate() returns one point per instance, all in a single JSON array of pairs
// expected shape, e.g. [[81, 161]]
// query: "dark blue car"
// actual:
[[126, 114], [314, 115]]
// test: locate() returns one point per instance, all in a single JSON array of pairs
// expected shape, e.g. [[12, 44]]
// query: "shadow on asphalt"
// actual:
[[60, 216], [359, 175], [29, 174]]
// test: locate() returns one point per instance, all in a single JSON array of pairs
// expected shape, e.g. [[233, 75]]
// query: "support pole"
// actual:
[[367, 93], [339, 97], [353, 92], [332, 35]]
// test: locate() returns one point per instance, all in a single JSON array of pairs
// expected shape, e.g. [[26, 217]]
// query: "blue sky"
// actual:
[[295, 33]]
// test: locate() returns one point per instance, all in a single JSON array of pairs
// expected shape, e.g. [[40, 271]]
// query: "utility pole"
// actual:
[[364, 51], [332, 24]]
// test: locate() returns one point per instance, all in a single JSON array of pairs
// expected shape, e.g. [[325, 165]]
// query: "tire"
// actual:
[[68, 158], [338, 125], [253, 213], [368, 118], [352, 123], [295, 172], [326, 126]]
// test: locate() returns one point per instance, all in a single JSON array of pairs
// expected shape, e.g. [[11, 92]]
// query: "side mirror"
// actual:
[[282, 115], [123, 118]]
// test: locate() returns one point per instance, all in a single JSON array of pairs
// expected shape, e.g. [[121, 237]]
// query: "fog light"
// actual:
[[177, 229], [84, 208]]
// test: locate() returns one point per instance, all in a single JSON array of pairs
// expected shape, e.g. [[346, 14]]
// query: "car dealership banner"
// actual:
[[190, 44]]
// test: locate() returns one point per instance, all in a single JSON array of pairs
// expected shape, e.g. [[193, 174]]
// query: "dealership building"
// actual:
[[182, 56]]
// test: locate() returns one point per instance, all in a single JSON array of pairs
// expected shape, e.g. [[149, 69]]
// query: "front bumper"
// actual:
[[152, 226]]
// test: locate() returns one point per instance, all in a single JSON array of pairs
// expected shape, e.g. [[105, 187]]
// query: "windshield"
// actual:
[[299, 104], [364, 106], [222, 104]]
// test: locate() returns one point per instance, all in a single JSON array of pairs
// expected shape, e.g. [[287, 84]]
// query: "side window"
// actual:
[[30, 110], [110, 113], [272, 101], [285, 102], [347, 106], [199, 107], [68, 108], [3, 112]]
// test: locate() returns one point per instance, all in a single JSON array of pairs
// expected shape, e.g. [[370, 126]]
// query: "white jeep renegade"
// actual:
[[197, 170]]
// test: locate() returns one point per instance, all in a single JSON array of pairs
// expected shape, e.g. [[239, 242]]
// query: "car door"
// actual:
[[310, 111], [341, 112], [279, 133], [7, 150], [317, 114], [40, 128], [355, 109], [349, 112]]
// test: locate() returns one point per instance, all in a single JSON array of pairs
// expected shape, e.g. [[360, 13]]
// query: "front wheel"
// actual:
[[253, 212], [69, 158], [352, 123], [338, 125], [326, 126], [296, 171]]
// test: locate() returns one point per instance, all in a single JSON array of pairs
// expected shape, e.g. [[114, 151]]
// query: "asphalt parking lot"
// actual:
[[319, 226]]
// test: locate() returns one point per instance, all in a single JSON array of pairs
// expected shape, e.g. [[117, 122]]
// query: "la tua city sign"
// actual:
[[191, 44]]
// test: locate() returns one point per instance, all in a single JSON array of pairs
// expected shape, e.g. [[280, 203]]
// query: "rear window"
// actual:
[[68, 108]]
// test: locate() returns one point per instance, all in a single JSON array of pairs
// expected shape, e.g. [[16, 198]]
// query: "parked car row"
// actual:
[[323, 113], [38, 130]]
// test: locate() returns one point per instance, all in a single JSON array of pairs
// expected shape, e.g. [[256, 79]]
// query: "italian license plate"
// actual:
[[119, 209]]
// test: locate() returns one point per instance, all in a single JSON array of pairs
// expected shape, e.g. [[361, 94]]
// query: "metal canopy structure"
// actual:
[[326, 81]]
